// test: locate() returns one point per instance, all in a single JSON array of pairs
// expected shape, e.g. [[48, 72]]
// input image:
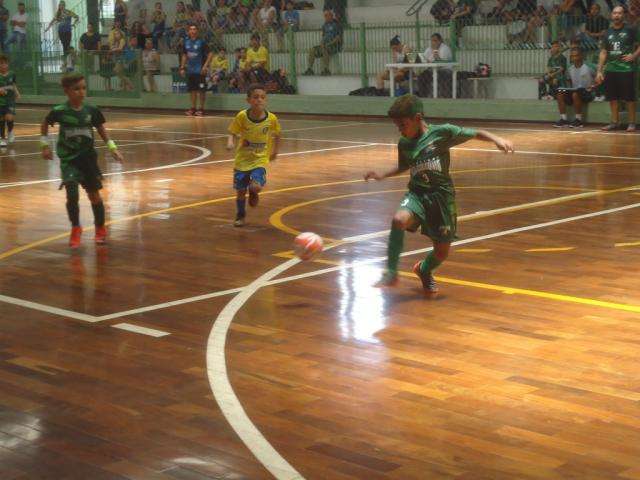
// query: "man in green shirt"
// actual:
[[617, 68], [8, 94], [78, 158], [430, 202]]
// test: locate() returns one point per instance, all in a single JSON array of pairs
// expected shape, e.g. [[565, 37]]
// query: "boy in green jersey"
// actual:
[[8, 95], [555, 75], [78, 158], [430, 202]]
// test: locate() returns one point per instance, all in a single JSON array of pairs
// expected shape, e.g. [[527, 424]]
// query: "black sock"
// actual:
[[2, 123], [10, 125], [98, 213], [73, 208]]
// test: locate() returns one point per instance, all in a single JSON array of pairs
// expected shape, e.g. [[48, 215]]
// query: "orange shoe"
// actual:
[[428, 282], [101, 235], [75, 237]]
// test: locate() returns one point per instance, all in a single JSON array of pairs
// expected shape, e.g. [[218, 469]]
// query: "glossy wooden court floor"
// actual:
[[189, 349]]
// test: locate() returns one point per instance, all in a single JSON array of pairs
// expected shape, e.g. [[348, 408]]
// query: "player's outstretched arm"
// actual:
[[501, 143], [44, 141], [111, 145], [231, 142], [376, 176]]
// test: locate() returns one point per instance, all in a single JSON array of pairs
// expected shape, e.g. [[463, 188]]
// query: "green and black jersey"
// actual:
[[619, 42], [428, 158], [557, 64], [8, 83], [76, 130]]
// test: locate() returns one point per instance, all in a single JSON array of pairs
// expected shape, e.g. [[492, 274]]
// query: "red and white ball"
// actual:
[[307, 245]]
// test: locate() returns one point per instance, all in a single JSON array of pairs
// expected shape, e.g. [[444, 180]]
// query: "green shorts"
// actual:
[[436, 213], [83, 170]]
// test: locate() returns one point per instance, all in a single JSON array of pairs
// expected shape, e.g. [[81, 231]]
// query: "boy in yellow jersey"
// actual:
[[258, 134], [257, 62]]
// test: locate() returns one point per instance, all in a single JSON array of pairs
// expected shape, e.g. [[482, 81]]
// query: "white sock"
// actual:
[[579, 116], [563, 116]]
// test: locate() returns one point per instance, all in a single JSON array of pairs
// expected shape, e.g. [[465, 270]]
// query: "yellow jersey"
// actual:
[[256, 139], [219, 63], [260, 55]]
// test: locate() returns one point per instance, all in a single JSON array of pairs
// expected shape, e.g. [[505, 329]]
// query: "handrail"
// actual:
[[416, 7]]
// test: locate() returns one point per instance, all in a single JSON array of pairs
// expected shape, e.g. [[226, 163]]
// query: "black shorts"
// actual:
[[620, 86], [585, 95], [196, 83]]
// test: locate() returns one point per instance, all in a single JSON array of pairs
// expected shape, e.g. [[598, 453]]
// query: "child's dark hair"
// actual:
[[255, 36], [253, 87], [71, 79], [4, 58], [407, 106]]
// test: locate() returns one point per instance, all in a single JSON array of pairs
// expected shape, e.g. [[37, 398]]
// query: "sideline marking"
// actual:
[[152, 332], [550, 249]]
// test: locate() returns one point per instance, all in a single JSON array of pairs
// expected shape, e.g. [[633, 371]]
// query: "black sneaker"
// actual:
[[428, 282], [561, 123], [576, 124]]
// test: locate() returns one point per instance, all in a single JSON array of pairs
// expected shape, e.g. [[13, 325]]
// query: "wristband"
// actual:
[[44, 142], [111, 145]]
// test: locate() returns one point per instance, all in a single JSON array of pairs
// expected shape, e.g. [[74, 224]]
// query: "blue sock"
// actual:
[[240, 204]]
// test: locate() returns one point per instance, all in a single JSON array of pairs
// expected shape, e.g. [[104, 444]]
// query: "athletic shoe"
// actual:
[[254, 198], [599, 98], [631, 127], [388, 279], [428, 282], [611, 127], [75, 237], [101, 235], [199, 113], [191, 112], [239, 222], [309, 71], [12, 137], [3, 143], [576, 124], [561, 123]]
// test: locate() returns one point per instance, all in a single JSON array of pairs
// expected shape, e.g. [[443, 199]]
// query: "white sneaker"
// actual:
[[11, 138], [3, 143]]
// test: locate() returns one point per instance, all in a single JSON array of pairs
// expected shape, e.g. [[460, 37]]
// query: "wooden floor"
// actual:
[[525, 367]]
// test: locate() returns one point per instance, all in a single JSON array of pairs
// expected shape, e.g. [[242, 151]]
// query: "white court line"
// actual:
[[49, 309], [152, 332], [190, 164], [216, 359]]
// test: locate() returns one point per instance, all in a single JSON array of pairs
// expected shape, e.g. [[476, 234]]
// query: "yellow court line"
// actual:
[[509, 290], [628, 244], [551, 249], [53, 238], [472, 250]]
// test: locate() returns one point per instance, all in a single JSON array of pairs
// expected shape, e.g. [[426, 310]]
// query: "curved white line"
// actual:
[[223, 391]]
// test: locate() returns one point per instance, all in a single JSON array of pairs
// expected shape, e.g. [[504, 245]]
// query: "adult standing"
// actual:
[[616, 67], [120, 13], [66, 20], [19, 24], [90, 40], [4, 16], [194, 63]]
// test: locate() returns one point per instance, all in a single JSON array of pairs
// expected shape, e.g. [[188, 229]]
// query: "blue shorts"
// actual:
[[242, 180]]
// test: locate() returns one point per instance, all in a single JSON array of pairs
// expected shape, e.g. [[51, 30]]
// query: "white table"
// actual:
[[412, 66]]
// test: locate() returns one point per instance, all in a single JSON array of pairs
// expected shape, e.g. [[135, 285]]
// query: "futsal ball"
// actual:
[[307, 245]]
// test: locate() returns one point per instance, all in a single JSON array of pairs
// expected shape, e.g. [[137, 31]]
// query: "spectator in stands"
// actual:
[[330, 45], [398, 55], [127, 64], [257, 61], [339, 9], [138, 32], [581, 82], [594, 28], [237, 23], [554, 77], [196, 16], [616, 68], [66, 20], [442, 11], [117, 42], [120, 13], [569, 18], [236, 78], [150, 63], [158, 24], [438, 51], [245, 17], [219, 68], [633, 15], [70, 60], [4, 16], [116, 28], [291, 18], [266, 20], [179, 30], [90, 40], [463, 15], [19, 24], [107, 65]]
